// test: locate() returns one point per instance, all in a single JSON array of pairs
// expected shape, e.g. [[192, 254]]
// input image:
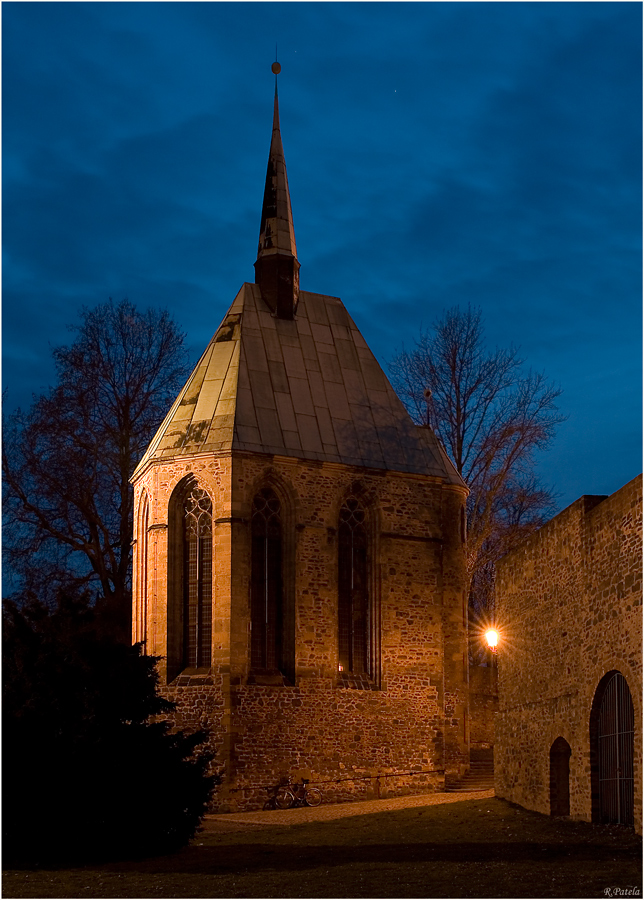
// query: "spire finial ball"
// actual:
[[276, 68]]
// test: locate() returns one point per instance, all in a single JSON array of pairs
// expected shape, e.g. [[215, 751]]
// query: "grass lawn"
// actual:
[[469, 848]]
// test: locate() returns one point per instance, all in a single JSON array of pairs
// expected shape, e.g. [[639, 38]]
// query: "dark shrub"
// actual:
[[87, 775]]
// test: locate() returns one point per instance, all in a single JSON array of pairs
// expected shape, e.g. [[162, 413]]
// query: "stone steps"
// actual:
[[479, 778]]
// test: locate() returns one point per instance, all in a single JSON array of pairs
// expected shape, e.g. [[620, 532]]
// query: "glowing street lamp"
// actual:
[[492, 638]]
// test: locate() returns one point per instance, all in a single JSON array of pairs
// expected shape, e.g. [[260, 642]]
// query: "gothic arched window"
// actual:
[[141, 619], [197, 579], [354, 614], [266, 593]]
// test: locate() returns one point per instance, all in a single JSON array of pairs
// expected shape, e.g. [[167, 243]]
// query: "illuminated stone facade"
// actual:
[[569, 604], [410, 715], [312, 613]]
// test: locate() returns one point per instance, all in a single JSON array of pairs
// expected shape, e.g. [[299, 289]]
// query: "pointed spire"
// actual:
[[277, 268]]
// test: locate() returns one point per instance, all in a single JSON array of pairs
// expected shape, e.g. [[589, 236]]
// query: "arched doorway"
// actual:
[[560, 778], [611, 740]]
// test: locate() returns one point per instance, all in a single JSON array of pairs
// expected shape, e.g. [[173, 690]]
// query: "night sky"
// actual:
[[437, 153]]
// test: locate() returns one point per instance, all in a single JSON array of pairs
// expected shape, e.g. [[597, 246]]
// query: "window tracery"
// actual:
[[197, 597], [267, 621], [142, 558], [354, 611]]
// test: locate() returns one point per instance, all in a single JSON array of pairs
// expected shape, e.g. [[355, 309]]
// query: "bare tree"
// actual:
[[68, 460], [493, 417]]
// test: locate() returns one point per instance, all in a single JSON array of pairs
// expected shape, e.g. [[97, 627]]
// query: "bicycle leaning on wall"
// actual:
[[290, 795]]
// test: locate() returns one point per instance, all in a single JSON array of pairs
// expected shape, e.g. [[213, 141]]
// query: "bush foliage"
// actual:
[[88, 774]]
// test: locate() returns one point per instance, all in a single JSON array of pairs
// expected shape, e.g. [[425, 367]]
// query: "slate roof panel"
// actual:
[[316, 386], [322, 334], [337, 402], [226, 408], [294, 362], [329, 365], [301, 395], [359, 341], [346, 438], [347, 355], [266, 319], [373, 375], [356, 390], [184, 412], [243, 378], [279, 378], [269, 429], [208, 398], [373, 452], [317, 308], [285, 412], [221, 434], [260, 385], [170, 438], [363, 420], [255, 352], [337, 312], [251, 319], [247, 434], [331, 452], [292, 441], [303, 325], [272, 346], [289, 335], [340, 332], [325, 425], [309, 433], [245, 411]]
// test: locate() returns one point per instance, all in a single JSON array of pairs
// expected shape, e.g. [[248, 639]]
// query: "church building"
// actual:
[[299, 551]]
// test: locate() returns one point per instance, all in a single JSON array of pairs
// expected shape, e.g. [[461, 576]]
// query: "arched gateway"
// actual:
[[611, 738]]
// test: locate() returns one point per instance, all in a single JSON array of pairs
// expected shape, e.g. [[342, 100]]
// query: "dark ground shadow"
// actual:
[[474, 848]]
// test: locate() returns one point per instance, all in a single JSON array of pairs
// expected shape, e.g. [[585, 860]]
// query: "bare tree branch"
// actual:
[[67, 461], [493, 417]]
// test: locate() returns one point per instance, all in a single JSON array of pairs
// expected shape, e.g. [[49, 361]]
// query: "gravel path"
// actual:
[[326, 812]]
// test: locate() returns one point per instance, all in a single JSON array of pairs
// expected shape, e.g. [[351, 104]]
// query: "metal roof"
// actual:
[[307, 387]]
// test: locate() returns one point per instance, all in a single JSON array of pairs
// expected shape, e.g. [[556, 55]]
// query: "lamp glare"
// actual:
[[492, 638]]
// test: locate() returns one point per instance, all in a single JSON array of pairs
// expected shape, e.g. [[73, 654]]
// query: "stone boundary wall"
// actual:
[[569, 604]]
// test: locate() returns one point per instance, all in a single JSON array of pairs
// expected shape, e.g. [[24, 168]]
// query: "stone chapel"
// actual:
[[299, 551]]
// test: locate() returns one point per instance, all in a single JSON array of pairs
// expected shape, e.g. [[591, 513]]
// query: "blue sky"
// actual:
[[437, 153]]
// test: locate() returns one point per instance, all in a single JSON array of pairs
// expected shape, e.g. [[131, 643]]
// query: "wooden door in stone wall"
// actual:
[[560, 778], [614, 752]]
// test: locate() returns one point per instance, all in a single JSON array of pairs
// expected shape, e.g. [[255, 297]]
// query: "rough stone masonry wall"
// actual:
[[357, 742], [351, 741], [569, 607]]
